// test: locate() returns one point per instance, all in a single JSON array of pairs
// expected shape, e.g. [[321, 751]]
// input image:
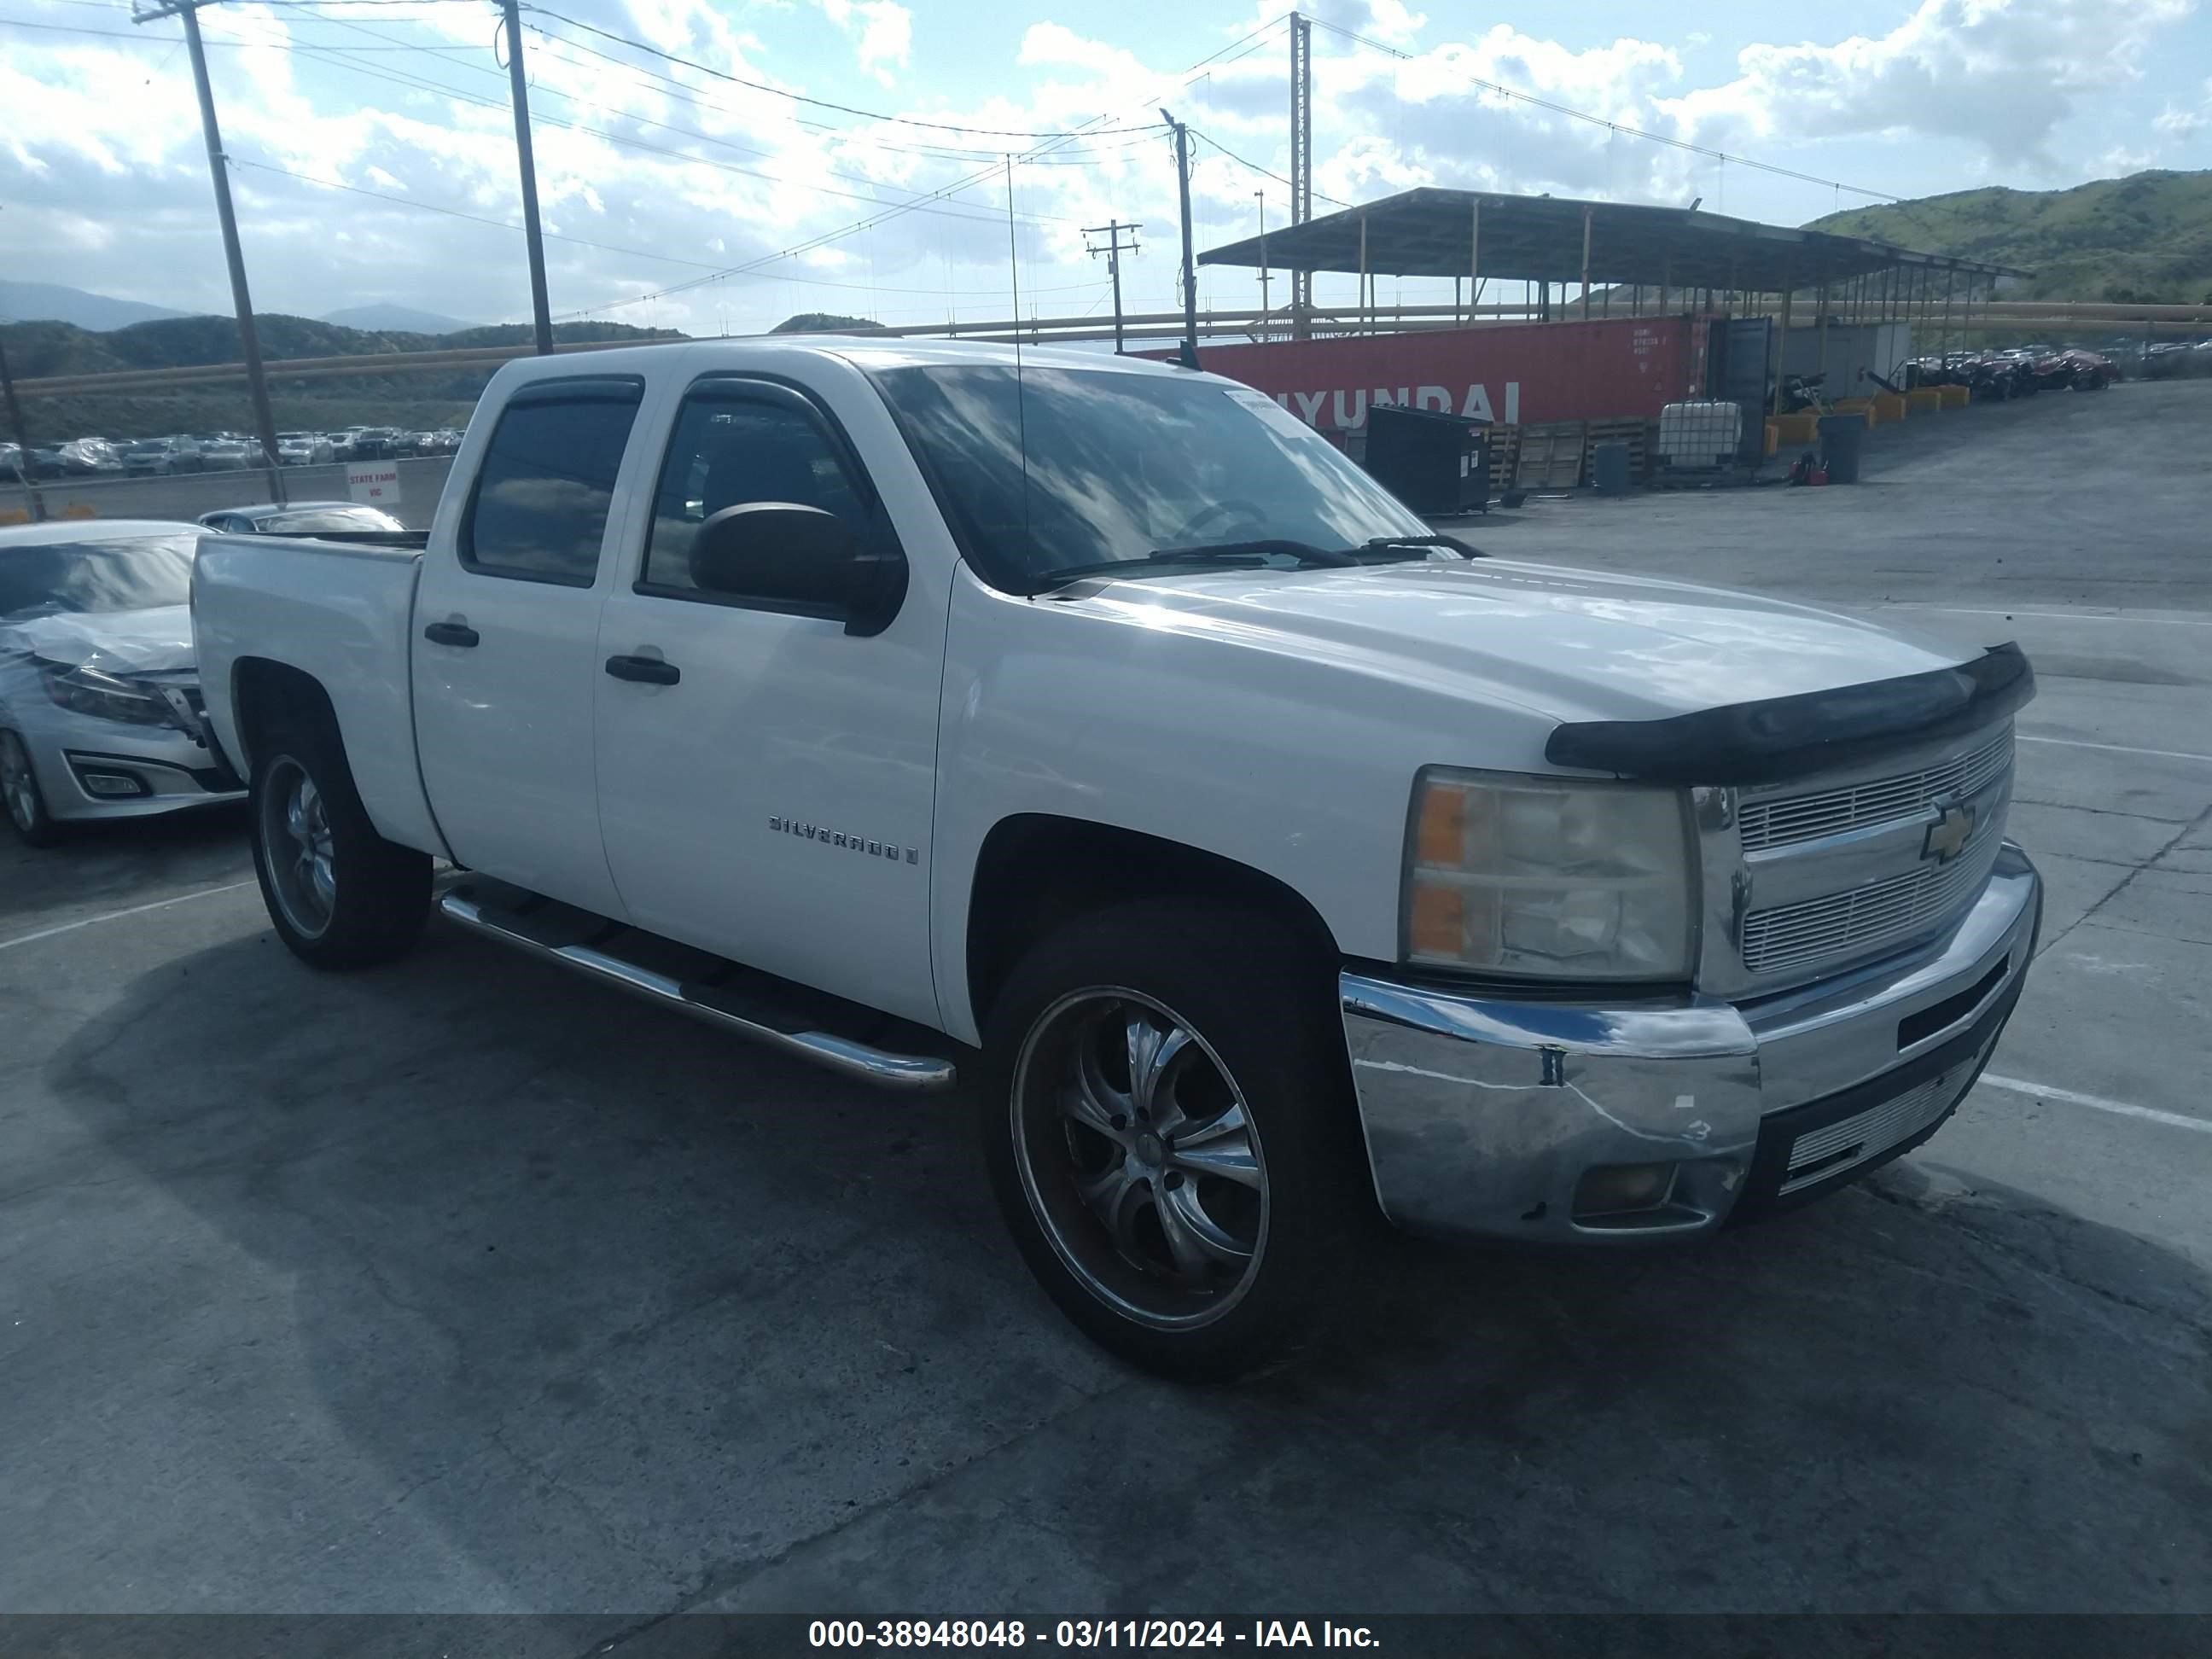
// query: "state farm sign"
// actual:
[[1530, 373], [376, 483]]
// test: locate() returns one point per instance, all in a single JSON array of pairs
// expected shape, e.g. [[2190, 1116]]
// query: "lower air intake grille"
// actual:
[[1844, 1145]]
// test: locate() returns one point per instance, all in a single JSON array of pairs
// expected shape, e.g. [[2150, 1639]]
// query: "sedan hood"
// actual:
[[158, 640], [1570, 645]]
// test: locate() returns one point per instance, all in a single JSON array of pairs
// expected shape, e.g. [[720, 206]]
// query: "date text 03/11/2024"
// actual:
[[1085, 1634]]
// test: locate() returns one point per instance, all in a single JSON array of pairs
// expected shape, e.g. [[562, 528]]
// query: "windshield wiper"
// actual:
[[1254, 555], [1415, 544]]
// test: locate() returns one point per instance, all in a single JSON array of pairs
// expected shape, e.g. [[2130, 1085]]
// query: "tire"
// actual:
[[25, 802], [339, 894], [1238, 1031]]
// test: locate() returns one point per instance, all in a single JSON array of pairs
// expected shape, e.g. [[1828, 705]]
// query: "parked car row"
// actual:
[[2017, 372], [215, 452], [2167, 360], [382, 442]]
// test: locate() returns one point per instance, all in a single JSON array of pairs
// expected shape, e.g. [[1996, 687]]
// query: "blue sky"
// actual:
[[369, 140]]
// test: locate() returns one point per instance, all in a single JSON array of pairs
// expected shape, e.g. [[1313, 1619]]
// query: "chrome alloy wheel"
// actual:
[[1139, 1158], [17, 785], [295, 841]]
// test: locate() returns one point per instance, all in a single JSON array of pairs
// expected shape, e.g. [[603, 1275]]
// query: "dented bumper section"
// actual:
[[1583, 1122]]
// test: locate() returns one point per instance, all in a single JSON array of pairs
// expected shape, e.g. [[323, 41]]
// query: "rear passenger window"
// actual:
[[539, 512]]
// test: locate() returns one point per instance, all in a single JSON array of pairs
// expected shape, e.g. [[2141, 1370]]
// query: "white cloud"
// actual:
[[883, 32], [2174, 122], [2001, 74], [100, 162]]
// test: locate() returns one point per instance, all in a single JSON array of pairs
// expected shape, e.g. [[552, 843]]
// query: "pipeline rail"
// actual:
[[1164, 326]]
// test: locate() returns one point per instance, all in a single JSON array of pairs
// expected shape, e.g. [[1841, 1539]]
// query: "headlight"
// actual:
[[88, 692], [1547, 878]]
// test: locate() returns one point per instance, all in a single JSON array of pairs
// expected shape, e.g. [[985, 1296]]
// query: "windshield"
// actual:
[[1120, 466], [136, 575], [315, 521]]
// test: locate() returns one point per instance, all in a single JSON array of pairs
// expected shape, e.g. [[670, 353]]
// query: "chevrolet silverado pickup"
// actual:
[[1090, 732]]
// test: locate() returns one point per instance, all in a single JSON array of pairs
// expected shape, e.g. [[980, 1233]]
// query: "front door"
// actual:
[[507, 619], [766, 792]]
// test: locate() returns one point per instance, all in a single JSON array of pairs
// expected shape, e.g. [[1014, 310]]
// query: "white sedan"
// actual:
[[99, 699]]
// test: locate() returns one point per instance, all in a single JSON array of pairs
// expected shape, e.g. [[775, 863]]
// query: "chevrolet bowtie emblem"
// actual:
[[1953, 829]]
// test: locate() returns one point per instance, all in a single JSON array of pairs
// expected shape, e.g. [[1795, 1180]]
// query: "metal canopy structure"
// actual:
[[1460, 232]]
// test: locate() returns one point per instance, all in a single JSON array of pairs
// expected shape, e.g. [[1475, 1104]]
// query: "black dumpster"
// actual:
[[1438, 465], [1839, 446]]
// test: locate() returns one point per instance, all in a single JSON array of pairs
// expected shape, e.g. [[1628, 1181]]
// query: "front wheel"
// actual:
[[339, 895], [1169, 1131], [26, 802]]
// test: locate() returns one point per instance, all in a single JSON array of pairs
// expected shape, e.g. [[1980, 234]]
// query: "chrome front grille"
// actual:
[[1867, 1134], [1807, 878], [1860, 921], [1789, 818]]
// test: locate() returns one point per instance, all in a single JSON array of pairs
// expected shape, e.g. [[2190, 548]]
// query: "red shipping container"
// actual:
[[1523, 374]]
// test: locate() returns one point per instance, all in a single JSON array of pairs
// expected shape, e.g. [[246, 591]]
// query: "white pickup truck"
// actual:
[[1092, 731]]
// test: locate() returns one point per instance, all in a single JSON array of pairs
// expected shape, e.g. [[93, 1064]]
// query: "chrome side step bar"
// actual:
[[915, 1074]]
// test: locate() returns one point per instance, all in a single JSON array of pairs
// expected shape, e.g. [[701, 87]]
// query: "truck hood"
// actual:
[[158, 640], [1573, 645]]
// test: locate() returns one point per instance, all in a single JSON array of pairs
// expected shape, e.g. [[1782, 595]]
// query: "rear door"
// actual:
[[506, 620]]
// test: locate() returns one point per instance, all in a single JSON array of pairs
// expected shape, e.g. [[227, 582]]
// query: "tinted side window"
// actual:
[[728, 449], [540, 507]]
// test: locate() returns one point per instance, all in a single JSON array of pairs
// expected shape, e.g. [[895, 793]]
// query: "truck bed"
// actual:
[[339, 608]]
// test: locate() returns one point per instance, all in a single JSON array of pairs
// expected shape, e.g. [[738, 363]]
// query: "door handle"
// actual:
[[649, 670], [450, 633]]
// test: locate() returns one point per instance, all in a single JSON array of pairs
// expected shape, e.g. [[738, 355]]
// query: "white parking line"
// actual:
[[118, 916], [2113, 748], [2132, 618], [2096, 1103]]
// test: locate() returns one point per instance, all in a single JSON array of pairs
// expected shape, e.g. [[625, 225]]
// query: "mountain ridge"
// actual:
[[2145, 238]]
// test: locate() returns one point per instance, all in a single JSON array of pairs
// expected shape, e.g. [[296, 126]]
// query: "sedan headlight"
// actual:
[[1547, 878], [88, 692]]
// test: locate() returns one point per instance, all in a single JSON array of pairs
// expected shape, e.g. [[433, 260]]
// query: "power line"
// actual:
[[1265, 172], [455, 213], [801, 98], [1515, 93], [401, 77], [585, 241], [1045, 149], [671, 87]]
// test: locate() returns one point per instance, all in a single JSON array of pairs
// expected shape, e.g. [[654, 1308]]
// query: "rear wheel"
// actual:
[[1169, 1131], [26, 801], [339, 894]]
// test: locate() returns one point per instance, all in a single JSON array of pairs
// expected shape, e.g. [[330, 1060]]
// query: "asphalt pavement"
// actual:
[[465, 1286]]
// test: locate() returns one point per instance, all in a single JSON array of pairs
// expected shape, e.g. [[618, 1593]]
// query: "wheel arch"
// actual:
[[1036, 871], [265, 694]]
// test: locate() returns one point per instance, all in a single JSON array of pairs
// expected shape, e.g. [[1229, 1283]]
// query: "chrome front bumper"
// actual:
[[1484, 1116]]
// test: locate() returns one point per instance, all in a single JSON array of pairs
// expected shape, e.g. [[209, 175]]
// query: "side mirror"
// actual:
[[803, 558]]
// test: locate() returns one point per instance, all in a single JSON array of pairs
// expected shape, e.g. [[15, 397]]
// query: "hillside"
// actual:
[[387, 317], [39, 350], [55, 302], [2146, 238]]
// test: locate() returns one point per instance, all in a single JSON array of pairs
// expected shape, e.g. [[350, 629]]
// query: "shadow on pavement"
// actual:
[[499, 1291]]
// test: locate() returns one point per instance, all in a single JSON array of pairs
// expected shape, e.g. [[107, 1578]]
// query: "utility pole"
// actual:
[[540, 314], [1114, 249], [1260, 196], [1301, 165], [264, 424], [22, 441], [1189, 275]]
